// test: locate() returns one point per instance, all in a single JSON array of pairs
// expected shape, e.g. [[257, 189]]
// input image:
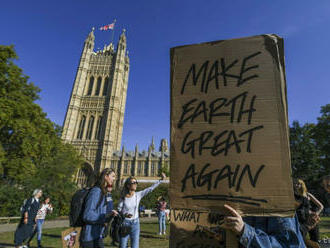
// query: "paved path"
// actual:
[[59, 223]]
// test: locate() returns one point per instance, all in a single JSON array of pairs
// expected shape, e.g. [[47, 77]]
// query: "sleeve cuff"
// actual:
[[247, 235]]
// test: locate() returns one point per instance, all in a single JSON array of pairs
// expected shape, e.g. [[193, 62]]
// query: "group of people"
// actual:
[[99, 209], [251, 231], [33, 217]]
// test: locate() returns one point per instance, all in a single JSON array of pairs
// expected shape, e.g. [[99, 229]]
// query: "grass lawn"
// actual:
[[52, 238], [148, 237], [325, 227]]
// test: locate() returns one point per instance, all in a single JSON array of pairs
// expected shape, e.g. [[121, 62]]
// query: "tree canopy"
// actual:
[[32, 154]]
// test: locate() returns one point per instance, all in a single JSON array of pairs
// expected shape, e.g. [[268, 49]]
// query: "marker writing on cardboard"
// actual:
[[223, 141]]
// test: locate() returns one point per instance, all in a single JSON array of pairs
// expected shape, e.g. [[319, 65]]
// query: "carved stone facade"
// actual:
[[95, 115], [145, 166]]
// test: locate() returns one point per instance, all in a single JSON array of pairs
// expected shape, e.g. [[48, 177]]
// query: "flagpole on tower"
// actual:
[[113, 30]]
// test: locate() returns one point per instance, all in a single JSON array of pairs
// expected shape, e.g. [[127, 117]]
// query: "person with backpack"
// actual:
[[29, 212], [129, 208], [98, 209], [46, 207]]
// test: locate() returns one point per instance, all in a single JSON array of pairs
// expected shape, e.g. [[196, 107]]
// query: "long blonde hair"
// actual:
[[302, 191]]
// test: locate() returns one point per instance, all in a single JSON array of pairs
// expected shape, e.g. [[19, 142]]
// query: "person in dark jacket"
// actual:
[[307, 216], [98, 210], [29, 212]]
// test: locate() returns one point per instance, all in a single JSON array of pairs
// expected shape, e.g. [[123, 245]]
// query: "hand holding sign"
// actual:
[[234, 222]]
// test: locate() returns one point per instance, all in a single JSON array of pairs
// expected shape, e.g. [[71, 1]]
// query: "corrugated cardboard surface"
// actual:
[[194, 229], [241, 156]]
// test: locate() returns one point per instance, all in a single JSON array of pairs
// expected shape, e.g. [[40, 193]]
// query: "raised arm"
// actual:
[[152, 187], [317, 203]]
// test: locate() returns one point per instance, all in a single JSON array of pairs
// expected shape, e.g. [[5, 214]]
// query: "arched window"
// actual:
[[81, 127], [90, 86], [98, 128], [113, 165], [98, 86], [146, 168], [105, 87], [153, 168], [90, 128], [139, 169], [125, 167]]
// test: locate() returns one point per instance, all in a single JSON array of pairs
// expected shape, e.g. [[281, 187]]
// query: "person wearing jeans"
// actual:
[[40, 219], [129, 208], [161, 207]]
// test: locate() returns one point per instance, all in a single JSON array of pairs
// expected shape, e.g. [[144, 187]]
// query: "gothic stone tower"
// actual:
[[95, 114]]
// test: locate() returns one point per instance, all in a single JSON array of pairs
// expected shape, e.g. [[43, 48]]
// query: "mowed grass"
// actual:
[[325, 228], [52, 238], [148, 236]]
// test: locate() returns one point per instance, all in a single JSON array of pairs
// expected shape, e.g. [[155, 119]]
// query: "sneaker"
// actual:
[[164, 233], [159, 233]]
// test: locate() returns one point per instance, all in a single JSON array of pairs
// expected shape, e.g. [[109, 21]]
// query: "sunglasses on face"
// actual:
[[135, 182]]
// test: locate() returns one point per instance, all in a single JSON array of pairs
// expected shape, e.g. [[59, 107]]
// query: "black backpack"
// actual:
[[78, 206]]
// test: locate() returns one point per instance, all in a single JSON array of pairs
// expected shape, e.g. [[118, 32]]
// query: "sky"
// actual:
[[48, 37]]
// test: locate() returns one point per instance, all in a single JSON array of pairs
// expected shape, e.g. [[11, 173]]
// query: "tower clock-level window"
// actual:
[[90, 127], [105, 87], [90, 86], [98, 128], [81, 127], [98, 86]]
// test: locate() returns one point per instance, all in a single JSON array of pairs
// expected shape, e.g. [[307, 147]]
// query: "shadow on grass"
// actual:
[[6, 245], [52, 235], [149, 236]]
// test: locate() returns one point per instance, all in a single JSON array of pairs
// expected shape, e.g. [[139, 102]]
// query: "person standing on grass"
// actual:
[[129, 208], [46, 207], [98, 210], [161, 207], [28, 220]]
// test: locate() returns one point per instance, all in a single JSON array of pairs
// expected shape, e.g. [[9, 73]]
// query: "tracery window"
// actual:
[[98, 86], [90, 128], [90, 86], [81, 127]]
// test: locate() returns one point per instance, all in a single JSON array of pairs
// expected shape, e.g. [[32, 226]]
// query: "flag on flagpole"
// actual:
[[109, 26]]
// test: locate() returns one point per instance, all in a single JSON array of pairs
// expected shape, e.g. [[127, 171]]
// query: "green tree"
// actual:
[[304, 153], [322, 139], [32, 154]]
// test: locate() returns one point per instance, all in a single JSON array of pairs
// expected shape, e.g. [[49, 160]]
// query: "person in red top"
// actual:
[[161, 207]]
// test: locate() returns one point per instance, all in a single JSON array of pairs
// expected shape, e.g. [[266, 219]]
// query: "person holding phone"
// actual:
[[129, 208]]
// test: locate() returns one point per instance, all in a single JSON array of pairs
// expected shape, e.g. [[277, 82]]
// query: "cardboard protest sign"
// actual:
[[229, 127], [196, 229], [70, 237]]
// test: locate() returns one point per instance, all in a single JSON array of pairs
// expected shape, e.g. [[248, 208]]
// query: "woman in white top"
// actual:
[[129, 208], [46, 207]]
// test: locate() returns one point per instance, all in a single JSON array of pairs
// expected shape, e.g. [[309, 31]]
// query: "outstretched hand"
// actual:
[[234, 221], [163, 176]]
